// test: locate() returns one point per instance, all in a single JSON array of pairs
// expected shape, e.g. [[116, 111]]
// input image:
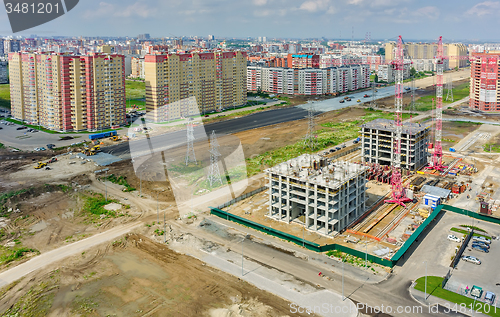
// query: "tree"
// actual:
[[413, 71], [376, 78], [381, 51]]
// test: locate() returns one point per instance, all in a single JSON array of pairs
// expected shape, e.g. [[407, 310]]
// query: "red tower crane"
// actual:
[[398, 193], [437, 157]]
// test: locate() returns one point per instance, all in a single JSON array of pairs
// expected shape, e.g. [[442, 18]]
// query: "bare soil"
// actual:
[[135, 276]]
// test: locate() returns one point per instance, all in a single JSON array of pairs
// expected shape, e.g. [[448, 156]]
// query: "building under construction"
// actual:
[[311, 190], [377, 143]]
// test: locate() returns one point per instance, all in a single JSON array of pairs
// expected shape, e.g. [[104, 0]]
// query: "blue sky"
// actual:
[[385, 19]]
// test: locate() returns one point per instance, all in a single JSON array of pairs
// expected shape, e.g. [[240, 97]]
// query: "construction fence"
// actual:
[[328, 247], [306, 244], [237, 199]]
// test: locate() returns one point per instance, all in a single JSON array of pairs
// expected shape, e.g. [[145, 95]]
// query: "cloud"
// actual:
[[484, 8], [259, 2], [317, 5], [427, 12], [139, 8]]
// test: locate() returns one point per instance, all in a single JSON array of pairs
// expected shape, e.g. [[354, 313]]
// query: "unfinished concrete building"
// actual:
[[377, 143], [321, 195]]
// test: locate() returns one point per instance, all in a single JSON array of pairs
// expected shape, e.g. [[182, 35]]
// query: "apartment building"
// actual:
[[137, 69], [4, 75], [386, 73], [485, 82], [216, 80], [323, 196], [11, 46], [68, 92], [456, 53], [308, 81]]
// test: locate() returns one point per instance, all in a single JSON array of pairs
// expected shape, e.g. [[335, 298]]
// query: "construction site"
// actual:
[[398, 172]]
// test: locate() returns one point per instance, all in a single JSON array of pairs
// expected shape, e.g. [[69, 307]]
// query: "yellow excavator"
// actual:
[[92, 151], [40, 165], [115, 138]]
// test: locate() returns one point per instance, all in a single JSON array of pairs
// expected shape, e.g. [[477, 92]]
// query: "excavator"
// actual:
[[92, 151], [115, 138]]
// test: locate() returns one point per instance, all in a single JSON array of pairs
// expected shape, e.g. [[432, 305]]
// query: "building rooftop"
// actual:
[[316, 169], [388, 125]]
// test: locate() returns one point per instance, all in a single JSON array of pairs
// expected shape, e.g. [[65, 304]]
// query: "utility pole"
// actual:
[[425, 287], [106, 184], [157, 211], [343, 298], [140, 185]]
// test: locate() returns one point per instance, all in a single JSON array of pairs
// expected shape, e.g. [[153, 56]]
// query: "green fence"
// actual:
[[475, 215], [307, 244], [328, 247]]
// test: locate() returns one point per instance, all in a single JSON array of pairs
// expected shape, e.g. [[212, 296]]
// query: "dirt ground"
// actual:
[[135, 276], [453, 132]]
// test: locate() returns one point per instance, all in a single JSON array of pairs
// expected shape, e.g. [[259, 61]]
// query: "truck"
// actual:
[[102, 135]]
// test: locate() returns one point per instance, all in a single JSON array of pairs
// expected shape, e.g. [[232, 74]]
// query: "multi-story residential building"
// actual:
[[2, 50], [4, 75], [217, 80], [428, 65], [11, 46], [308, 81], [137, 67], [304, 61], [455, 52], [485, 82], [68, 92], [386, 73]]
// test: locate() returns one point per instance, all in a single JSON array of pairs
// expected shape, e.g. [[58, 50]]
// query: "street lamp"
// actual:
[[343, 297], [106, 184], [246, 237], [425, 286]]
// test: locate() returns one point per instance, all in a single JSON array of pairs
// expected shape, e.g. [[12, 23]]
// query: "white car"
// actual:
[[37, 149], [481, 239], [453, 238], [471, 259]]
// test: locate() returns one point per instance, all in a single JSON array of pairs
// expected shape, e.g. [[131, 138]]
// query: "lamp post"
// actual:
[[425, 286], [106, 185], [343, 297], [246, 237], [157, 211]]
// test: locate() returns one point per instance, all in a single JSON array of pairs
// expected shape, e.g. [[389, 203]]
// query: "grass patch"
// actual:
[[467, 232], [135, 89], [5, 196], [95, 205], [459, 92], [491, 147], [2, 146], [120, 180], [8, 255], [434, 289], [351, 259], [5, 96], [474, 227]]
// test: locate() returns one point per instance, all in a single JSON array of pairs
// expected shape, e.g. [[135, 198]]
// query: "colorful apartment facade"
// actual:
[[68, 92], [485, 82], [308, 81], [216, 80]]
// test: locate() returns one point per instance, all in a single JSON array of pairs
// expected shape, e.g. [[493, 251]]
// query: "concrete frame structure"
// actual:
[[377, 143], [323, 196]]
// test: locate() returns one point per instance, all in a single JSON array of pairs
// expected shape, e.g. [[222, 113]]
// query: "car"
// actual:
[[337, 148], [21, 128], [355, 142], [348, 99], [475, 244], [341, 101], [366, 96], [471, 259], [359, 100], [481, 239], [42, 149], [34, 131], [453, 238], [486, 245], [332, 150], [490, 297], [36, 149], [343, 145], [50, 146], [480, 248]]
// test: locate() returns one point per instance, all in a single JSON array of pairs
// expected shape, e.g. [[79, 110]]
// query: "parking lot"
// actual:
[[28, 141], [484, 275]]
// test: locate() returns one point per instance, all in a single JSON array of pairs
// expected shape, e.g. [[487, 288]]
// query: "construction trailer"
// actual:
[[378, 140], [311, 190]]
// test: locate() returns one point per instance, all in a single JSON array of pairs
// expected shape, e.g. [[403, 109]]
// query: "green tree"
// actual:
[[413, 71], [381, 51], [376, 78]]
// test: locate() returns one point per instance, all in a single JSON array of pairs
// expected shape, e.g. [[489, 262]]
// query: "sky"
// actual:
[[455, 20]]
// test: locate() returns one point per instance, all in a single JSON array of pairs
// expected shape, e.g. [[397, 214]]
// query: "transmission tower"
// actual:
[[437, 157], [398, 194], [214, 173], [310, 140], [449, 86], [190, 157]]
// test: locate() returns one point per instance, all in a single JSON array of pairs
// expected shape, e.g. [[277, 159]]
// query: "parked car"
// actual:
[[355, 142], [22, 128], [359, 100], [332, 150], [453, 238], [42, 149], [343, 145], [366, 96], [490, 297], [36, 149], [481, 239], [480, 248], [50, 146], [471, 259], [337, 148], [341, 101], [486, 245]]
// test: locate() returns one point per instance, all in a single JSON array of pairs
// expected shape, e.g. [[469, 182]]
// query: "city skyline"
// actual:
[[344, 20]]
